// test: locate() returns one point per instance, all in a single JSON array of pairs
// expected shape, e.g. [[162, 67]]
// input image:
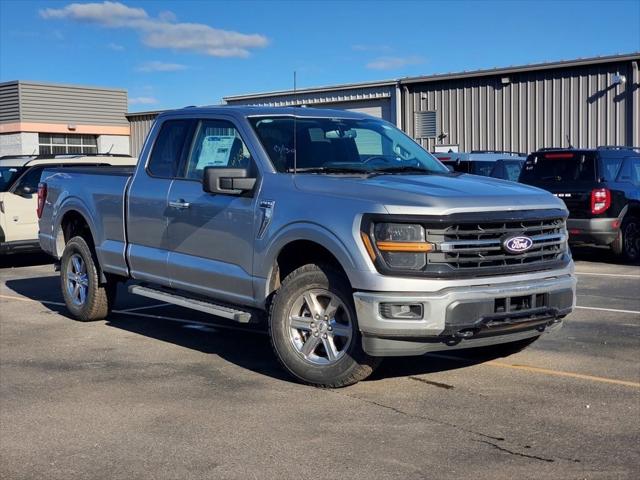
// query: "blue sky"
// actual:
[[175, 53]]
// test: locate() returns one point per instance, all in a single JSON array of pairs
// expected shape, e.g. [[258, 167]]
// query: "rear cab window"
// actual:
[[167, 150]]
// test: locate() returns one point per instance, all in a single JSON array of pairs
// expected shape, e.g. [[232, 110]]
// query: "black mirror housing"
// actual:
[[227, 181]]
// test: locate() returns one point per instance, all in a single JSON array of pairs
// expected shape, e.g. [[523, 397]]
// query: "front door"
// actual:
[[211, 235], [19, 205]]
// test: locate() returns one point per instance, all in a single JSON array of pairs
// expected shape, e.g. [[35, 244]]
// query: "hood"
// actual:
[[437, 194]]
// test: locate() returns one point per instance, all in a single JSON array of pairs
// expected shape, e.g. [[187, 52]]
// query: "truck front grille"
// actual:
[[471, 247]]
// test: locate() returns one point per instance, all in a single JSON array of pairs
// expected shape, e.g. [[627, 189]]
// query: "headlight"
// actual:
[[401, 246]]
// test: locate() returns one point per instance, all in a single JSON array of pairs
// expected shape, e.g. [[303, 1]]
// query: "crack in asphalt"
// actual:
[[457, 427], [518, 454], [419, 417]]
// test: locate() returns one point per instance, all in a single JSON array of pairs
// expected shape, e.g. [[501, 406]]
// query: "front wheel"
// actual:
[[83, 294], [314, 330]]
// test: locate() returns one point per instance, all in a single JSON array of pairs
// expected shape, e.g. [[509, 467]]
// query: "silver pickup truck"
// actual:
[[349, 239]]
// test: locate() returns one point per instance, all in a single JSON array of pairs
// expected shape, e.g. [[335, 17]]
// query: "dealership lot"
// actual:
[[164, 392]]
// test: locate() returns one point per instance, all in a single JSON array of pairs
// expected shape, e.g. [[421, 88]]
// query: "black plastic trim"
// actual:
[[439, 222]]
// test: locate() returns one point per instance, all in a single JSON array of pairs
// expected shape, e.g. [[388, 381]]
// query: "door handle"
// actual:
[[181, 204]]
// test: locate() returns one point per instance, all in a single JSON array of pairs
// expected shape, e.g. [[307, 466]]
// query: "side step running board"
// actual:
[[240, 316]]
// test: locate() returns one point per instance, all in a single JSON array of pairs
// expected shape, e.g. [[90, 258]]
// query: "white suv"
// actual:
[[19, 178]]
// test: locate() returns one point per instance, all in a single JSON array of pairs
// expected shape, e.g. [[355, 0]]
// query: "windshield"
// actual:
[[335, 145], [8, 175], [559, 167]]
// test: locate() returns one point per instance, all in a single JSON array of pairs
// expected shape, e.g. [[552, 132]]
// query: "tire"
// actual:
[[627, 243], [318, 349], [85, 298]]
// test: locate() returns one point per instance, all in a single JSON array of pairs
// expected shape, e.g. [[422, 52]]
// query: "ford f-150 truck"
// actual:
[[346, 236]]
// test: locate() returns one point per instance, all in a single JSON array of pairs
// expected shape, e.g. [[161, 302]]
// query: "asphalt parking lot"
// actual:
[[162, 392]]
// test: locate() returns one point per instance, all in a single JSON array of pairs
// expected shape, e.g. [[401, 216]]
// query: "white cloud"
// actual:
[[161, 32], [156, 66], [112, 14], [115, 46], [143, 101], [394, 63]]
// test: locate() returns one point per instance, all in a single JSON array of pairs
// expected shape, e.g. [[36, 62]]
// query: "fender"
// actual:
[[265, 260], [67, 204]]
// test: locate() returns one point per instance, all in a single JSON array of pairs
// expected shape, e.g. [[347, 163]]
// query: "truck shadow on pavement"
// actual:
[[248, 348]]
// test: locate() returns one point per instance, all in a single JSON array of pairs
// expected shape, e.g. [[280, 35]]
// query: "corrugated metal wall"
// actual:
[[140, 124], [532, 109], [383, 96], [9, 102], [71, 104]]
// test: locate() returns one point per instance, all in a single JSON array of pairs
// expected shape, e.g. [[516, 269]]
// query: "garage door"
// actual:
[[376, 108]]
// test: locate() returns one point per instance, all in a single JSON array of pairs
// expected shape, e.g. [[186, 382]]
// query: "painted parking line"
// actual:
[[621, 275], [615, 310], [526, 368], [543, 371]]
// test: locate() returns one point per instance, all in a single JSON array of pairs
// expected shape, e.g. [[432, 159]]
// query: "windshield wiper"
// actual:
[[403, 169], [328, 170]]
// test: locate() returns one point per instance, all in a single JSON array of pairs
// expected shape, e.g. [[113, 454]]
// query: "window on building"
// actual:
[[51, 143]]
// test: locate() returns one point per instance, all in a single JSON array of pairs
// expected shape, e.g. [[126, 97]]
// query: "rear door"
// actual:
[[211, 235], [570, 176], [148, 208]]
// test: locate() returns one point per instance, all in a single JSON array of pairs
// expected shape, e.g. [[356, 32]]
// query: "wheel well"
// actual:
[[299, 253], [73, 224]]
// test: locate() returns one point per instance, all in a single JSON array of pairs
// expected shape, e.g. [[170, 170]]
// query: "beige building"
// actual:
[[44, 118]]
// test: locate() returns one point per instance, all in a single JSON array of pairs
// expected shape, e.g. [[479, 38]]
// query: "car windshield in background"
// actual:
[[559, 167], [337, 145], [8, 175], [507, 169]]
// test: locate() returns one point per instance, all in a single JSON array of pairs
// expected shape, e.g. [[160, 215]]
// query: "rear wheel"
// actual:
[[314, 331], [627, 243], [83, 294]]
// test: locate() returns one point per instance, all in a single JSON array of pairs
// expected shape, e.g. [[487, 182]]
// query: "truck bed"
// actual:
[[98, 193]]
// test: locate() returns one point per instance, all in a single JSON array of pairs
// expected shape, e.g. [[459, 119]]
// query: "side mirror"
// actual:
[[228, 181]]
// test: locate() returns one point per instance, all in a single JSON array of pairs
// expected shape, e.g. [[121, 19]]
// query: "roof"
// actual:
[[524, 68], [302, 91], [447, 76], [63, 85], [249, 111]]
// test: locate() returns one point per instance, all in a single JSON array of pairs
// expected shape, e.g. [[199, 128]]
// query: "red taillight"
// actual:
[[42, 196], [558, 155], [442, 159], [600, 200]]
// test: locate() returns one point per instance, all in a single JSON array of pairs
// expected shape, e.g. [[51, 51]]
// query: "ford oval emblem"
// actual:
[[517, 244]]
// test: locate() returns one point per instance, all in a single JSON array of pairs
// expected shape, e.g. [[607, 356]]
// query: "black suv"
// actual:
[[488, 163], [601, 188]]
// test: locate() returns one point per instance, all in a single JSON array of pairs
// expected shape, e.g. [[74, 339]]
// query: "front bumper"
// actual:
[[462, 317], [599, 231]]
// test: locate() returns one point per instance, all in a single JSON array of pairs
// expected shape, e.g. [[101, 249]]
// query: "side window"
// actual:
[[165, 156], [610, 166], [216, 143], [29, 181], [630, 171]]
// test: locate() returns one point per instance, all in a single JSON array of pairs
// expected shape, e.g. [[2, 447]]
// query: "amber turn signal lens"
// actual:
[[404, 246], [368, 246]]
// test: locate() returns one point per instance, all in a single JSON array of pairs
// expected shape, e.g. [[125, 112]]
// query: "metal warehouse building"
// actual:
[[584, 102], [47, 118]]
